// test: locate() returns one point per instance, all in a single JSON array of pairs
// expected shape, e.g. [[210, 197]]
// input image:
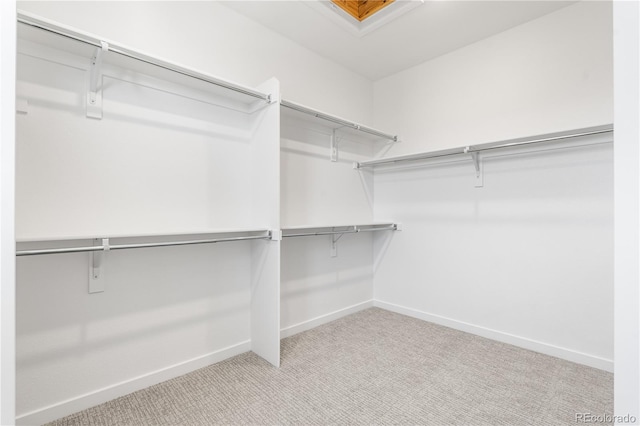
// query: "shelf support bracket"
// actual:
[[94, 83], [336, 237], [475, 157], [334, 244], [335, 141], [275, 235], [96, 263]]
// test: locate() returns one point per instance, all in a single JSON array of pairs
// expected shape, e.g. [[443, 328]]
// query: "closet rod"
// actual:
[[393, 227], [137, 245], [64, 31], [354, 230], [337, 120], [308, 234], [546, 138]]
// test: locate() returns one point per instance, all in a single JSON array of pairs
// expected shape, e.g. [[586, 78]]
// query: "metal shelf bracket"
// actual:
[[336, 237], [475, 157], [275, 235], [335, 142], [96, 263], [94, 83]]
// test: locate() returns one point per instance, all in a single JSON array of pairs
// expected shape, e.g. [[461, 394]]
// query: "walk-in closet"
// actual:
[[319, 212]]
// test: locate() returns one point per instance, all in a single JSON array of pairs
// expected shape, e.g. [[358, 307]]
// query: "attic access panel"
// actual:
[[362, 9], [387, 11]]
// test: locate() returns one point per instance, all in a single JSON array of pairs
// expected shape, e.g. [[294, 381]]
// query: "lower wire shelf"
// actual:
[[305, 231], [34, 247], [74, 245]]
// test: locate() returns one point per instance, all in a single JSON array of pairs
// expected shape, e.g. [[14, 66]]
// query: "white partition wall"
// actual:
[[7, 239], [263, 167]]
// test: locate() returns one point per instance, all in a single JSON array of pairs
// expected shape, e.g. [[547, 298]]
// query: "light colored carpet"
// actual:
[[373, 367]]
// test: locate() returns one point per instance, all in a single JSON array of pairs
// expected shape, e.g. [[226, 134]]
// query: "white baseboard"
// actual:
[[100, 396], [323, 319], [522, 342]]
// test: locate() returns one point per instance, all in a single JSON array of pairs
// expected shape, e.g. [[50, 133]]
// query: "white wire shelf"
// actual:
[[337, 122], [74, 245], [314, 230], [546, 139], [64, 38]]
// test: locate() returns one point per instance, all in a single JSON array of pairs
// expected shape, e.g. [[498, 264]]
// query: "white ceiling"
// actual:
[[425, 32]]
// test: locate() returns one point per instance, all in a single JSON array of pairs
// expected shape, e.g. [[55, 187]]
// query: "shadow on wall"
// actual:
[[141, 284]]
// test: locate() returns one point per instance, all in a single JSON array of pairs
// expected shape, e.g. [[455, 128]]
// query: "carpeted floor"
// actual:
[[373, 367]]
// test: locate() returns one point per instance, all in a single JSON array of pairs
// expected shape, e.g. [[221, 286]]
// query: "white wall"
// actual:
[[160, 161], [316, 287], [316, 191], [554, 73], [156, 163], [213, 38], [161, 308], [528, 258], [627, 212], [7, 240]]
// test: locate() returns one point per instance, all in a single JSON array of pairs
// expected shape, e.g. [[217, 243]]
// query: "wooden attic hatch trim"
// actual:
[[362, 9]]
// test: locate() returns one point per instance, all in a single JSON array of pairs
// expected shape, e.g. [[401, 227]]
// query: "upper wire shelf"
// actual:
[[473, 150], [339, 122], [39, 30], [312, 230]]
